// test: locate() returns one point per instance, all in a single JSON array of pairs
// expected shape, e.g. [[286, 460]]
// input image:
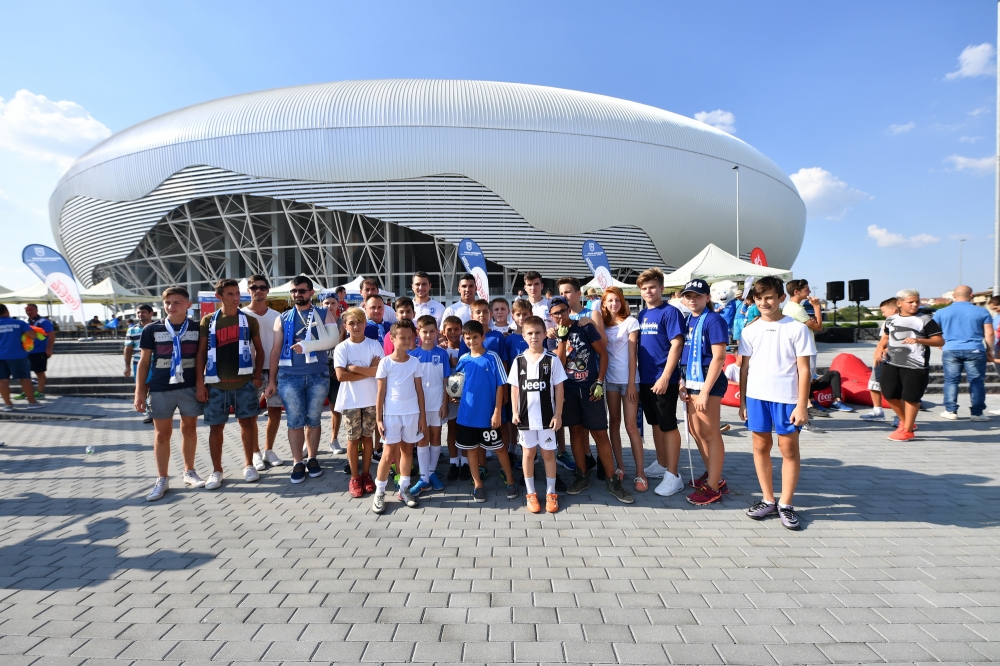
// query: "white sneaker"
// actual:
[[655, 471], [249, 475], [809, 427], [272, 458], [979, 419], [161, 487], [192, 479], [258, 463], [7, 408], [951, 416], [995, 411], [214, 481], [872, 415], [670, 485], [335, 448]]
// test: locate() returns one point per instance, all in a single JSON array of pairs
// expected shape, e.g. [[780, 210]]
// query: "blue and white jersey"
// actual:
[[436, 368], [483, 374]]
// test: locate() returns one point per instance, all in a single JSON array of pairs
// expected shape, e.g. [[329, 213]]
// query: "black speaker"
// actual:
[[835, 291], [857, 290]]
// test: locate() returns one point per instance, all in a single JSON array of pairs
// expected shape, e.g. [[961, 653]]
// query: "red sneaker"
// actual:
[[368, 483], [901, 436], [355, 488], [703, 479], [704, 495]]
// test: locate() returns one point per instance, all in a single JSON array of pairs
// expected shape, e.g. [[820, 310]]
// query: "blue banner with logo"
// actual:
[[597, 261], [52, 269], [475, 263]]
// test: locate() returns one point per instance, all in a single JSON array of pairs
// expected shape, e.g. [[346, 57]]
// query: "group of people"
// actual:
[[499, 375], [25, 348]]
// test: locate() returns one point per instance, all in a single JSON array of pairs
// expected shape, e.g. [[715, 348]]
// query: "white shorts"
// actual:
[[529, 439], [433, 418], [873, 382], [402, 428]]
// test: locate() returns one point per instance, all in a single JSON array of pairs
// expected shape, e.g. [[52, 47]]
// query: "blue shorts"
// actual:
[[243, 401], [303, 397], [15, 368], [764, 416]]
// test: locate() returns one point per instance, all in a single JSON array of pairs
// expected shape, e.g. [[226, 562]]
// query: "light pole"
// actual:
[[960, 241], [737, 170]]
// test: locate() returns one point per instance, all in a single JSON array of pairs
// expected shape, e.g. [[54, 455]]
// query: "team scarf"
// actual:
[[694, 376], [380, 330], [176, 365], [246, 362], [288, 328]]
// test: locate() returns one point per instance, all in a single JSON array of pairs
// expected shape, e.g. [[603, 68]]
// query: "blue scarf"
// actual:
[[288, 328], [176, 365], [380, 330], [246, 361], [694, 375]]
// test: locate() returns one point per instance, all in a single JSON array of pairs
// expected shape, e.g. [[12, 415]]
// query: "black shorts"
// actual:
[[39, 362], [718, 390], [468, 438], [906, 384], [580, 410], [659, 410], [334, 389]]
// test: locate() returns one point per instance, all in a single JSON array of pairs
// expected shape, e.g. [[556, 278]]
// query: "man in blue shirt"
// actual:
[[14, 359], [968, 345], [38, 357]]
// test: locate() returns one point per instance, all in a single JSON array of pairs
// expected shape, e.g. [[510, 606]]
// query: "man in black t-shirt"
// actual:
[[584, 355]]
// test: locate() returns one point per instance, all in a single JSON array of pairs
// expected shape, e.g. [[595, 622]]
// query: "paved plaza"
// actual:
[[897, 561]]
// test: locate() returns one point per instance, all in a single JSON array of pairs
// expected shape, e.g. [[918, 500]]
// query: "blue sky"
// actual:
[[881, 111]]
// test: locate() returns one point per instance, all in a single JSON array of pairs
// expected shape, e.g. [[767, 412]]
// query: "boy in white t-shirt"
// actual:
[[536, 390], [775, 352], [399, 412], [355, 361], [436, 368]]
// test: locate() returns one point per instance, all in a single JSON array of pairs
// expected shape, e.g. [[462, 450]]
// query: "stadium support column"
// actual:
[[387, 280], [996, 194]]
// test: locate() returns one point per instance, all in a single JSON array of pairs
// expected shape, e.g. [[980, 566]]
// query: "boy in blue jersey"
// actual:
[[436, 368], [479, 408], [661, 341], [492, 340]]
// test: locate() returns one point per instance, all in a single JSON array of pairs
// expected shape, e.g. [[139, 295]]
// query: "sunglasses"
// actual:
[[259, 288], [300, 291]]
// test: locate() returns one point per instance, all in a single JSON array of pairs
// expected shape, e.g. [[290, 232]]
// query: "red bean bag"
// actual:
[[854, 376], [732, 397]]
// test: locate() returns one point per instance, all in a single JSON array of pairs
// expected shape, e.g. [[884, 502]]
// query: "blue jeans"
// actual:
[[303, 397], [973, 361]]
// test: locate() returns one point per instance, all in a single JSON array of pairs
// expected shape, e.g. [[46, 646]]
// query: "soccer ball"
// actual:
[[454, 384]]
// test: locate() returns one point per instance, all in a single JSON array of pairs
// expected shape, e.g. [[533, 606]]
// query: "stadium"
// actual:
[[383, 178]]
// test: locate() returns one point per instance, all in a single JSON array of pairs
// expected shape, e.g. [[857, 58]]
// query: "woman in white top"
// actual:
[[622, 331]]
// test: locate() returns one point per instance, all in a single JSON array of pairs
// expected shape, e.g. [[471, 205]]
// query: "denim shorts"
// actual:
[[610, 387], [17, 368], [163, 404], [303, 397], [243, 401]]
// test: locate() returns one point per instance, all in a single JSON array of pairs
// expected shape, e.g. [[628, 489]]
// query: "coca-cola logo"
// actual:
[[823, 397], [62, 290]]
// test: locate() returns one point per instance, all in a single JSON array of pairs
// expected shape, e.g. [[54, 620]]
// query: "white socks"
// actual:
[[550, 485], [529, 481], [380, 486], [454, 461], [404, 481], [424, 462]]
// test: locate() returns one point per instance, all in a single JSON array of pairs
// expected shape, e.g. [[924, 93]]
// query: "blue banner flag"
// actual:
[[52, 269], [597, 261], [475, 263]]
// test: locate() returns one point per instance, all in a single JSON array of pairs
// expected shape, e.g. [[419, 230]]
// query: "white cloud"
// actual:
[[719, 119], [980, 111], [973, 164], [885, 238], [975, 61], [41, 129], [826, 196], [901, 129], [970, 139]]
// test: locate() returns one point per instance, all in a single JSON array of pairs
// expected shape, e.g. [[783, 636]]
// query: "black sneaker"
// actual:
[[479, 494], [591, 462], [453, 472], [148, 420], [619, 493], [560, 485], [483, 472], [347, 468], [313, 468], [512, 491], [377, 456], [298, 473], [465, 473], [581, 483]]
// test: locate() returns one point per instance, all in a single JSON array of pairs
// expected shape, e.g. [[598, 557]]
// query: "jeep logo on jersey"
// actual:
[[535, 385]]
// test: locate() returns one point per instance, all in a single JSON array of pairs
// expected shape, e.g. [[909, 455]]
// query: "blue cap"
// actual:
[[698, 287], [557, 300]]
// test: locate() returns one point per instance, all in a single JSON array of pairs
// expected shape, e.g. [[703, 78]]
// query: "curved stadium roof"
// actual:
[[565, 162]]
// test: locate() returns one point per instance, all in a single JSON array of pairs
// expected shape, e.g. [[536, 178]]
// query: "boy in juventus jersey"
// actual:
[[536, 377]]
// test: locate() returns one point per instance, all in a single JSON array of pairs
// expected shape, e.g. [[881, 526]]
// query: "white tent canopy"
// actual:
[[4, 290], [285, 290], [353, 288], [109, 292], [627, 289], [713, 264], [36, 293]]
